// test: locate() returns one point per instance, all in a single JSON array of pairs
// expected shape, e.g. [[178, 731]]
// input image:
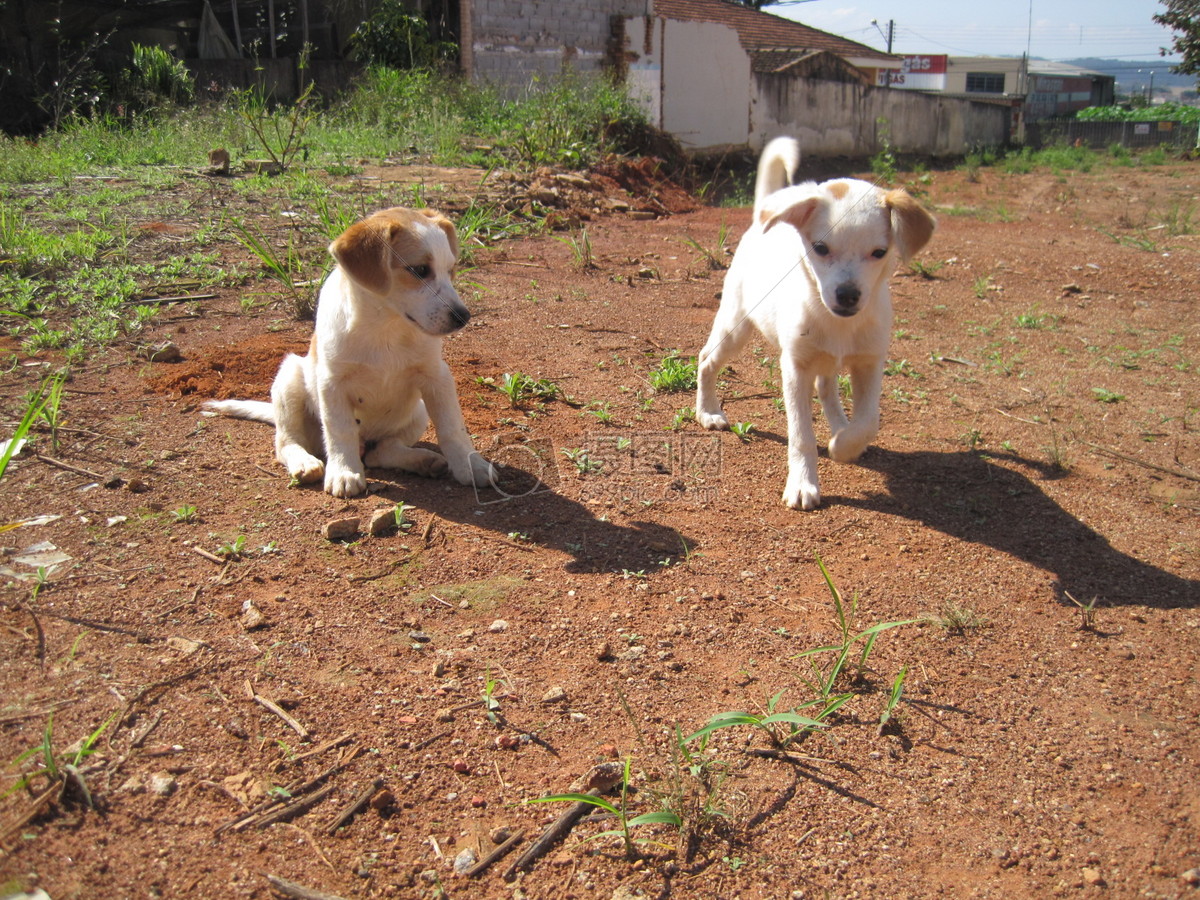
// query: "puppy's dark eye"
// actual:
[[821, 249], [879, 254], [421, 272]]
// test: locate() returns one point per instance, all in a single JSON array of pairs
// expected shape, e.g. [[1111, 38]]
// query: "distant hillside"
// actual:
[[1127, 74]]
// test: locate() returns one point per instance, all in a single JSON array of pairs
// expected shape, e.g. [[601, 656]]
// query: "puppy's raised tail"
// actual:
[[776, 169], [255, 410]]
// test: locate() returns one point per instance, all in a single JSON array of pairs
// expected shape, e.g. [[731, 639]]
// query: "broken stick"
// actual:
[[298, 891], [496, 854], [353, 807]]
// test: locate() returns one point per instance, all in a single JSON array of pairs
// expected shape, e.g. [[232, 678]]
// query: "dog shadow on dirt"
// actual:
[[525, 509], [971, 498]]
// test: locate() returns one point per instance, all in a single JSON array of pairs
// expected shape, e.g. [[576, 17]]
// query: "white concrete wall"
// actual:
[[706, 84], [694, 80], [836, 119]]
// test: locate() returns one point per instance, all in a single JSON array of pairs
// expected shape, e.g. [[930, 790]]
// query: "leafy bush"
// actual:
[[392, 36], [1165, 112]]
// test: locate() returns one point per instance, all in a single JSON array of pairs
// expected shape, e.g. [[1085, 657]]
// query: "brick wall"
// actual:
[[514, 41]]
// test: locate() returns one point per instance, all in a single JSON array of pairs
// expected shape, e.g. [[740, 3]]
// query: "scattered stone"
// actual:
[[1092, 876], [113, 481], [610, 751], [478, 801], [136, 486], [498, 626], [1072, 288], [555, 695], [465, 859], [382, 522], [1191, 877], [445, 714], [340, 529], [419, 637], [218, 161], [263, 167], [252, 617], [508, 742], [162, 783], [439, 668], [604, 651], [186, 646], [385, 799], [460, 766], [166, 352]]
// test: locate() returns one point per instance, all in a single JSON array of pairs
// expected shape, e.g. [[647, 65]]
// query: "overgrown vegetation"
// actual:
[[72, 270]]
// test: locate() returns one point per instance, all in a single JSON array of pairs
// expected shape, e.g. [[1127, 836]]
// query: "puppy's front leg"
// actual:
[[801, 490], [441, 399], [848, 442], [344, 476]]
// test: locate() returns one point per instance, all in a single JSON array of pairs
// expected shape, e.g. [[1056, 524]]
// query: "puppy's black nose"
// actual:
[[848, 295], [461, 316]]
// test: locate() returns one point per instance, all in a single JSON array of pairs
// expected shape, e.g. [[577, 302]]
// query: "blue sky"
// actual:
[[1060, 29]]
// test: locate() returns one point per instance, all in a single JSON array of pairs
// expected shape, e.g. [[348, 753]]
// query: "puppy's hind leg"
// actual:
[[730, 332], [297, 430], [848, 442], [396, 451]]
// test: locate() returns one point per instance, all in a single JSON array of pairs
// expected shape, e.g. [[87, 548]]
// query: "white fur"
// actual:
[[810, 276], [374, 372]]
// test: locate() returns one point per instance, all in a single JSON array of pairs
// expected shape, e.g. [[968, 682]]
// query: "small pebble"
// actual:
[[1092, 876], [555, 695], [498, 626], [465, 859]]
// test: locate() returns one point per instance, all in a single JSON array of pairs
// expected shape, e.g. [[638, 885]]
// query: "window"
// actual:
[[985, 82]]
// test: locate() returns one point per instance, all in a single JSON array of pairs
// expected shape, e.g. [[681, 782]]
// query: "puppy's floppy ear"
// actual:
[[911, 224], [446, 225], [794, 205], [362, 250]]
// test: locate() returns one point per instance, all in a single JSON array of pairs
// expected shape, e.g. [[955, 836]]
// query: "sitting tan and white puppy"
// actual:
[[374, 372], [811, 276]]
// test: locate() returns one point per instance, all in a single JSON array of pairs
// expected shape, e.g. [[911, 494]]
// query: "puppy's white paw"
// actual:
[[430, 464], [848, 445], [801, 494], [344, 482], [712, 421], [302, 466], [474, 470]]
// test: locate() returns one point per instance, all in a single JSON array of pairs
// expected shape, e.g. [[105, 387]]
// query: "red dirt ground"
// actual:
[[1039, 452]]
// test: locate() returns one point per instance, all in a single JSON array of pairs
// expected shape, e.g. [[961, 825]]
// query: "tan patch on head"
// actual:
[[838, 190], [370, 250]]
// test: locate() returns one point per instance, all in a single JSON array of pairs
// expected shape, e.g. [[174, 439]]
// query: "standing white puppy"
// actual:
[[374, 372], [811, 276]]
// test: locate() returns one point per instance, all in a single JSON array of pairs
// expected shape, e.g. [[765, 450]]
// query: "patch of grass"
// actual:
[[824, 679], [583, 258], [519, 388], [956, 619], [185, 514], [743, 430], [674, 374], [1034, 320], [927, 270], [582, 460], [1104, 395], [58, 768], [620, 811]]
